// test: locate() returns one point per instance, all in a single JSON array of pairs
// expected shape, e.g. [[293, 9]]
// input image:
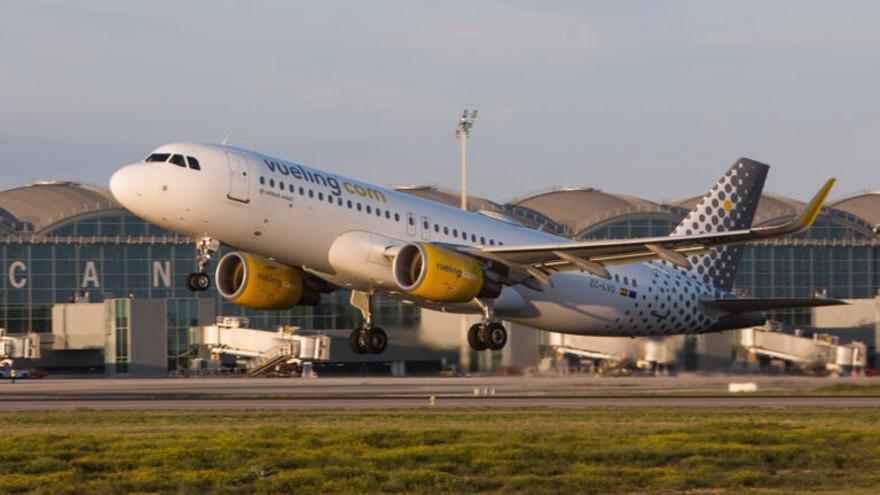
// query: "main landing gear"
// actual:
[[490, 334], [366, 338], [205, 249]]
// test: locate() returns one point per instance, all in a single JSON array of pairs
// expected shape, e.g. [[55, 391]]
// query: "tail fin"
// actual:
[[729, 205]]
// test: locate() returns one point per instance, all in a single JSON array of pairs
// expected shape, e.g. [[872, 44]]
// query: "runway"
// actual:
[[442, 403], [689, 391]]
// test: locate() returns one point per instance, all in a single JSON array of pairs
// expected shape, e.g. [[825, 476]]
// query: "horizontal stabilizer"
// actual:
[[748, 304]]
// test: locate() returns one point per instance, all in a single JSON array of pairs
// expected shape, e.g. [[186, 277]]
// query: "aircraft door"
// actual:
[[426, 228], [410, 224], [239, 182]]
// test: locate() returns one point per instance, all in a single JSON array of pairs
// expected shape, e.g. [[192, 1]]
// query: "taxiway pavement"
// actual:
[[414, 392]]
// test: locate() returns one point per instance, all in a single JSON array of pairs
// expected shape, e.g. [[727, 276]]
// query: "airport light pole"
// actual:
[[463, 132], [464, 129]]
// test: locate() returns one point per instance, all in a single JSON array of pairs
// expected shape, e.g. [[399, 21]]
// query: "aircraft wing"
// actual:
[[539, 261]]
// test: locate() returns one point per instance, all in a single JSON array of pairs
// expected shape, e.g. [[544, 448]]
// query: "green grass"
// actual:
[[849, 389], [442, 451]]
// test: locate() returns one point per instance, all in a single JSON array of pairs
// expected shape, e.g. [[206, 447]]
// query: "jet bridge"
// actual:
[[616, 355], [12, 347], [23, 346], [819, 353], [260, 352]]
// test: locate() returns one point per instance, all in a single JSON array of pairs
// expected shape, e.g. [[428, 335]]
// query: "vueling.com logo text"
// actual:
[[301, 173]]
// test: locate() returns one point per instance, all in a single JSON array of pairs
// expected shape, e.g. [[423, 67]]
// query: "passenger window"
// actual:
[[359, 207], [281, 186], [473, 238], [177, 160], [340, 201], [491, 242], [321, 196], [378, 212], [483, 241], [387, 215], [193, 163], [311, 193], [302, 192], [330, 199], [412, 221], [425, 225], [349, 204], [454, 232], [436, 228], [397, 217], [292, 189], [616, 278], [464, 235], [262, 181], [158, 157], [272, 182], [445, 230], [369, 210]]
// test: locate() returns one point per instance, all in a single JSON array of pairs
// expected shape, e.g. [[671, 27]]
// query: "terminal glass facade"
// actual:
[[120, 256], [631, 228]]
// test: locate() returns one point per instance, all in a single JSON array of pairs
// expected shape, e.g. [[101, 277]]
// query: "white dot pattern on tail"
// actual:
[[739, 190]]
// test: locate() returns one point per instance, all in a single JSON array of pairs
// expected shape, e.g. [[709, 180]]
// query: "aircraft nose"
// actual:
[[123, 185]]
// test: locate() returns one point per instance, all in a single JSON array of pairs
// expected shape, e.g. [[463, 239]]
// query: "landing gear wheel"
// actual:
[[474, 339], [495, 336], [198, 282], [190, 283], [356, 342], [376, 340], [202, 282]]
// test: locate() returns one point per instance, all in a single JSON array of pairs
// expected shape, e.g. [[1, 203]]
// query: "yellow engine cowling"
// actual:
[[256, 282], [438, 274]]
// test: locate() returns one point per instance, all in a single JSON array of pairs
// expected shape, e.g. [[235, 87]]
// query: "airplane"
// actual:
[[298, 232]]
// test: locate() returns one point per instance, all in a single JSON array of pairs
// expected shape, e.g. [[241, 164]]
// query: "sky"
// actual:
[[649, 98]]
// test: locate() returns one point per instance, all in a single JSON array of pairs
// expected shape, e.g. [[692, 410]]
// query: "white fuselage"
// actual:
[[337, 228]]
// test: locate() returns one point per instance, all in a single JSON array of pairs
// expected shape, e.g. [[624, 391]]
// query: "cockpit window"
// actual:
[[158, 157], [193, 163], [177, 160]]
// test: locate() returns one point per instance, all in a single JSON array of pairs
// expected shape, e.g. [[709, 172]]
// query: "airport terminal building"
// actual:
[[63, 242]]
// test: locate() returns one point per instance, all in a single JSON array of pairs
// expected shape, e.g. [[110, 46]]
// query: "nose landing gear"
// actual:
[[366, 338], [200, 281]]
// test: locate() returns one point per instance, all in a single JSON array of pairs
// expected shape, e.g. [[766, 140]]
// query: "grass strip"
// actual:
[[613, 450]]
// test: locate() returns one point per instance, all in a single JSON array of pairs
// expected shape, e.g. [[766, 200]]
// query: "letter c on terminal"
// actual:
[[14, 280]]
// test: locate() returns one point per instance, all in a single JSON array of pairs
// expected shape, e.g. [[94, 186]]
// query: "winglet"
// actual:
[[803, 221], [811, 211]]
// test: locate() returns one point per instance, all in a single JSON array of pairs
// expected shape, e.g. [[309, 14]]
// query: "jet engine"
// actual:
[[257, 282], [439, 274]]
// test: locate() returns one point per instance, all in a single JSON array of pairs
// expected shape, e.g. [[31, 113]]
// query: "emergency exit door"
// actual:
[[239, 182]]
